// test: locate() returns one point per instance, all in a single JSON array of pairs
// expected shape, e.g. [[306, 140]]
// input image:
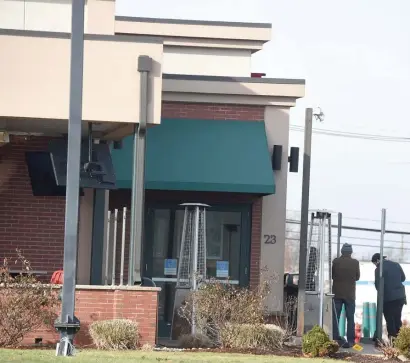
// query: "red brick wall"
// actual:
[[212, 111], [33, 224], [93, 305]]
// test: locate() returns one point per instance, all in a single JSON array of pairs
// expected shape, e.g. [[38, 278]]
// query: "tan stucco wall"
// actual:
[[207, 61], [55, 16], [274, 208], [35, 69]]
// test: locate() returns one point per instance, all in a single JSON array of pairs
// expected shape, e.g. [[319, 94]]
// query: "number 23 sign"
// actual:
[[269, 239]]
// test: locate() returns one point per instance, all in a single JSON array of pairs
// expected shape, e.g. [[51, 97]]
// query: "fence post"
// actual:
[[124, 218], [107, 248], [114, 246]]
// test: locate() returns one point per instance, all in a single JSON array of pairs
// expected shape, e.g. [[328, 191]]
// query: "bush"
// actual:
[[117, 334], [235, 306], [252, 336], [190, 341], [402, 342], [316, 343], [388, 350], [25, 303]]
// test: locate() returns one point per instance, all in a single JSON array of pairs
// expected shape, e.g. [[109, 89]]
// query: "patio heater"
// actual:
[[192, 257], [319, 298]]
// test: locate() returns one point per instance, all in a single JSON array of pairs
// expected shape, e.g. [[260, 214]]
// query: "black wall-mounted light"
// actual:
[[293, 158], [277, 157]]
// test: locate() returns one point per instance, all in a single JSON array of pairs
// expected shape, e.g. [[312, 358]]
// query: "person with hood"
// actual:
[[345, 273], [394, 296]]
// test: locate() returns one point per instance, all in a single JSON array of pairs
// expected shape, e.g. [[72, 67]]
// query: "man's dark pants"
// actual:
[[392, 311], [350, 307]]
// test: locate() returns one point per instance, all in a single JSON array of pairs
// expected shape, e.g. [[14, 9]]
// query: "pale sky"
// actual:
[[355, 57]]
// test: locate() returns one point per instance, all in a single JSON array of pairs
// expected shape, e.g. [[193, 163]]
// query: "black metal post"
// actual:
[[68, 324], [138, 180], [339, 232], [380, 291]]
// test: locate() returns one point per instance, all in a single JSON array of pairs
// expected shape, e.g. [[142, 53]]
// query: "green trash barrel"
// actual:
[[342, 323], [366, 320], [372, 318]]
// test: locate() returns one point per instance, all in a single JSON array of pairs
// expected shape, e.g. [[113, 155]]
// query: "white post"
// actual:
[[124, 218], [322, 272], [107, 248], [195, 265], [114, 246]]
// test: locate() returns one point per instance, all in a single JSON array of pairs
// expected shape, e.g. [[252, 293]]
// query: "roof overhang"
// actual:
[[232, 90], [35, 80], [198, 33]]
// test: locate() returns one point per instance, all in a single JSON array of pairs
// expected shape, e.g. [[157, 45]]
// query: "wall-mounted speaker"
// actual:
[[277, 157], [294, 160]]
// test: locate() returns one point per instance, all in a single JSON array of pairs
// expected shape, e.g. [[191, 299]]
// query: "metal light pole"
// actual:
[[138, 180], [304, 222], [68, 324], [380, 290]]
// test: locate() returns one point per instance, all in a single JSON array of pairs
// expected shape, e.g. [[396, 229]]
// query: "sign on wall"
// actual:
[[222, 269], [170, 267]]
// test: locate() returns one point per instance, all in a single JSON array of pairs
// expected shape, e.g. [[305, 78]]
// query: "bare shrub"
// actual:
[[252, 336], [220, 308], [190, 341], [25, 303], [116, 334], [288, 322], [147, 347], [388, 349]]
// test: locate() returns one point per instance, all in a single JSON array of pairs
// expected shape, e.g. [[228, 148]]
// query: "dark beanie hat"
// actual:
[[376, 257], [347, 249]]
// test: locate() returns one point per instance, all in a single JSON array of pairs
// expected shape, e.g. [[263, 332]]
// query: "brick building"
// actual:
[[212, 131]]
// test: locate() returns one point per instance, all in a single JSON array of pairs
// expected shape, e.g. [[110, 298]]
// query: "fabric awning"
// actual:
[[202, 155]]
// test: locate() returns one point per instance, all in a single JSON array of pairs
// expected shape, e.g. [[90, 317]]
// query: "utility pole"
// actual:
[[68, 324], [304, 221], [380, 290]]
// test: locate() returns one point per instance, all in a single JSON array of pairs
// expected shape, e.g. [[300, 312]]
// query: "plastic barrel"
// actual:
[[342, 323], [372, 318], [366, 320]]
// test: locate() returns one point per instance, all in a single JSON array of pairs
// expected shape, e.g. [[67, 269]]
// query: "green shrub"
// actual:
[[402, 342], [316, 343], [117, 334], [189, 341], [252, 336]]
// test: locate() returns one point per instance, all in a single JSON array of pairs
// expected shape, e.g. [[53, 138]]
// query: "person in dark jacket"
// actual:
[[394, 295], [345, 273]]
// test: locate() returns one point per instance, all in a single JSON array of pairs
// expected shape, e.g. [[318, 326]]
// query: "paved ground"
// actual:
[[369, 349]]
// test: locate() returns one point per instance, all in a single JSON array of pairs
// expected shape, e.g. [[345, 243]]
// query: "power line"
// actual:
[[355, 238], [357, 228], [356, 218], [360, 245], [353, 135]]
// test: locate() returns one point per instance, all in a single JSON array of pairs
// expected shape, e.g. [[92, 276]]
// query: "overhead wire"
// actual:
[[353, 135]]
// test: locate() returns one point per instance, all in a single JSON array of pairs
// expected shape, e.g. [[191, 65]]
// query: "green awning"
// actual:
[[202, 155]]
